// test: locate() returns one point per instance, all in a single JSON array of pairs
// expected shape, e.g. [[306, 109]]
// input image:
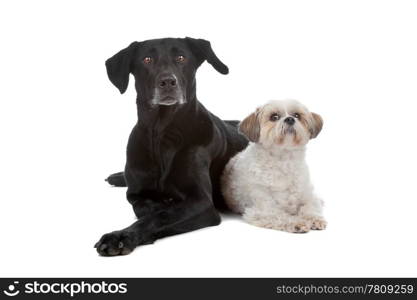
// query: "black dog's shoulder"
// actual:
[[234, 141]]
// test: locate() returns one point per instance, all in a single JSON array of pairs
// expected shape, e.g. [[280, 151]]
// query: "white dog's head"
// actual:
[[285, 123]]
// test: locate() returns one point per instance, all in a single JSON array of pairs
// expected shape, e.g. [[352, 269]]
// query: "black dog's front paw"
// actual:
[[116, 243]]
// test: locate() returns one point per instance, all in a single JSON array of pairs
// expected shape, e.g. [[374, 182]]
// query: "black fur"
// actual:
[[176, 152]]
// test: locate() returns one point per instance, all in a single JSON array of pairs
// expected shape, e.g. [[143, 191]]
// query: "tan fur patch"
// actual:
[[304, 122], [250, 127], [316, 126], [297, 139], [267, 129], [312, 123]]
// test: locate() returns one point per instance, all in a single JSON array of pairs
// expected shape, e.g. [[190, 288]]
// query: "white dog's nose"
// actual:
[[289, 120]]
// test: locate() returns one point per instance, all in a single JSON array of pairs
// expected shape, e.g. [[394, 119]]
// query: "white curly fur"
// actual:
[[268, 182]]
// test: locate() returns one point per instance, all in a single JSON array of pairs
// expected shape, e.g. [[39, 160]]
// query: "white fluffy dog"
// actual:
[[269, 182]]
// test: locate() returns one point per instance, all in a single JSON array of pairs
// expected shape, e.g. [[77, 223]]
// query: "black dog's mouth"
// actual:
[[168, 100]]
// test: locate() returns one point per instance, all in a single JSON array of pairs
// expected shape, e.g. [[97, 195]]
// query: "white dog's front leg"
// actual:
[[276, 219], [312, 212]]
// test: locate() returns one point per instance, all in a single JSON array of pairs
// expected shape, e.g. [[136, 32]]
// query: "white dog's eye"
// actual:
[[274, 117], [297, 115]]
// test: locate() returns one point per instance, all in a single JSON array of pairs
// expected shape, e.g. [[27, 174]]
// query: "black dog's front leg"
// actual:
[[175, 218]]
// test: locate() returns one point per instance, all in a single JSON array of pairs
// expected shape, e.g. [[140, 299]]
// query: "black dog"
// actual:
[[177, 150]]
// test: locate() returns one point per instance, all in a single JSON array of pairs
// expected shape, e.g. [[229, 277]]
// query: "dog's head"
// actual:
[[164, 69], [285, 123]]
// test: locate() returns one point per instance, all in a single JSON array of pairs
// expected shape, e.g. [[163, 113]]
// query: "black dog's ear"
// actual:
[[118, 67], [202, 50]]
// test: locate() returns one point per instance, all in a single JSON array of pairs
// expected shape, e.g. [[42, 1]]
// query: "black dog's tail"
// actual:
[[116, 179]]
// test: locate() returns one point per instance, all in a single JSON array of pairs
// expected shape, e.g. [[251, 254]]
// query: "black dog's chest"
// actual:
[[164, 148]]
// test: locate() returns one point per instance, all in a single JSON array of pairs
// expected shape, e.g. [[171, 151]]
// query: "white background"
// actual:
[[64, 128]]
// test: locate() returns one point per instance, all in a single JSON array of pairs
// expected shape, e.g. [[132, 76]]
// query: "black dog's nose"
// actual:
[[167, 81], [289, 120]]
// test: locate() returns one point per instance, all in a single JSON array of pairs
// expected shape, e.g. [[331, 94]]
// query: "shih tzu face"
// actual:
[[285, 123]]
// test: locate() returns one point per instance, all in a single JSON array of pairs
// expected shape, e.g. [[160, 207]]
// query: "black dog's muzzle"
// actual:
[[168, 91]]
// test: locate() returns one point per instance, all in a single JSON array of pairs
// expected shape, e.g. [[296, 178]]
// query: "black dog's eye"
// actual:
[[274, 117], [296, 115], [147, 60], [180, 59]]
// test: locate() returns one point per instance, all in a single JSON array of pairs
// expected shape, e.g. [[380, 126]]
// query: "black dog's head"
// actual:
[[164, 69]]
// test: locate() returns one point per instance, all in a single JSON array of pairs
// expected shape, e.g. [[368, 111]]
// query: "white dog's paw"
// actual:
[[318, 224], [299, 227]]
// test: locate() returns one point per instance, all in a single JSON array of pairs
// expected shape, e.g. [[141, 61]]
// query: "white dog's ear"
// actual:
[[250, 126], [316, 125]]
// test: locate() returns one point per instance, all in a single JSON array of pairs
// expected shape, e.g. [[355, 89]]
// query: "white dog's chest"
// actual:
[[284, 182]]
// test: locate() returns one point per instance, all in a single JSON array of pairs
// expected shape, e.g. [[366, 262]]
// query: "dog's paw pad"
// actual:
[[318, 224], [115, 243]]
